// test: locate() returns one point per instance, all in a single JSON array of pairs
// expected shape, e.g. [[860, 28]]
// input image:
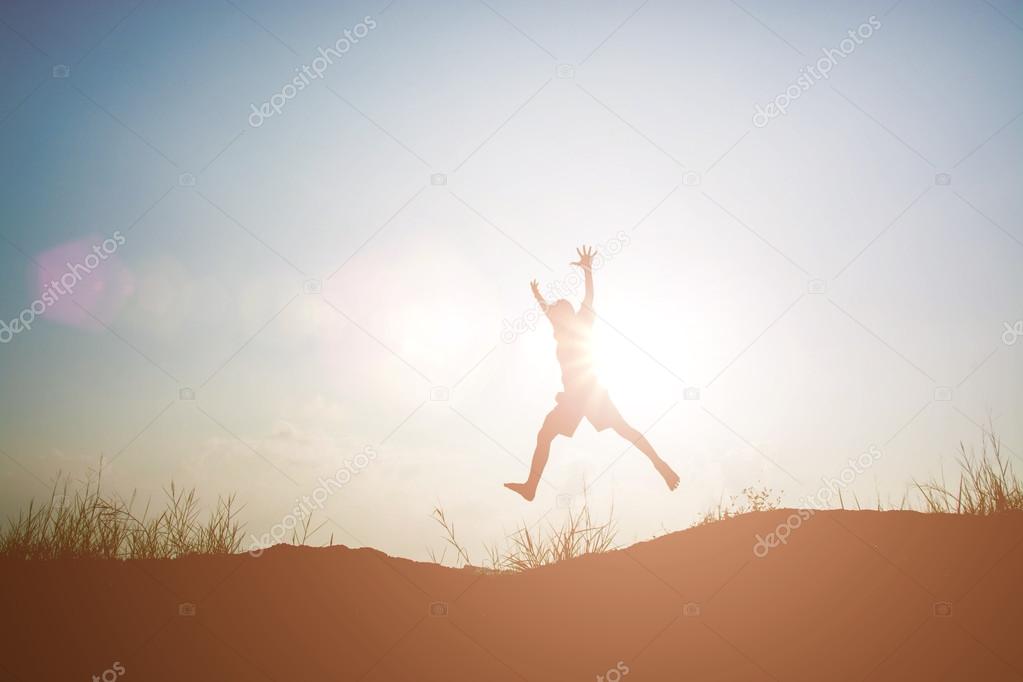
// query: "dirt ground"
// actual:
[[850, 595]]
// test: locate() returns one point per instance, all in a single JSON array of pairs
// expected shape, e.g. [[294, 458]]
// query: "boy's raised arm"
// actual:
[[585, 261], [544, 305]]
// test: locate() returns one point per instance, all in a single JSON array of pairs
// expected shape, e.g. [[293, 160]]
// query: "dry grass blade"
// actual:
[[449, 536]]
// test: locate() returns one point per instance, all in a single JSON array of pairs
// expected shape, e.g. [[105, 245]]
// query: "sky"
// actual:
[[808, 215]]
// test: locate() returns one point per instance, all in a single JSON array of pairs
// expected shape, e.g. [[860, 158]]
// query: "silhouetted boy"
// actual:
[[583, 395]]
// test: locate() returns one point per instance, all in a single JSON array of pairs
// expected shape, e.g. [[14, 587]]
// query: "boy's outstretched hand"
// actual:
[[586, 254], [535, 286]]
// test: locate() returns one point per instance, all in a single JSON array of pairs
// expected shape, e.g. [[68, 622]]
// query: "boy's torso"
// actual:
[[575, 353]]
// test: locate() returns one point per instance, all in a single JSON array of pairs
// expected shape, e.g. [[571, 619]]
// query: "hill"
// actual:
[[850, 595]]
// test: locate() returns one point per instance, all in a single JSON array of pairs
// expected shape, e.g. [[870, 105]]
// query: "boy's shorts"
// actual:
[[591, 402]]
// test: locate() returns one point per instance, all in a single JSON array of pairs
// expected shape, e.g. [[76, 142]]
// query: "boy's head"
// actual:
[[560, 311]]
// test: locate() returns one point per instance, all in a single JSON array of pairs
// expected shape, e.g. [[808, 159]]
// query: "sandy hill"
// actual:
[[851, 595]]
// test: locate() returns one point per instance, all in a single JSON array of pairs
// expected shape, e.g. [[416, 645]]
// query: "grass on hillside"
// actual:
[[88, 523], [987, 484], [529, 547], [752, 499]]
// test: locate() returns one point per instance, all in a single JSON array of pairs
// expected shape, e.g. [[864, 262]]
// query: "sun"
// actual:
[[615, 363], [627, 368]]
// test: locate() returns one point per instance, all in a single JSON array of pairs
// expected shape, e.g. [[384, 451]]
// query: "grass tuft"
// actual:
[[530, 548], [577, 536], [85, 522], [987, 484], [752, 499]]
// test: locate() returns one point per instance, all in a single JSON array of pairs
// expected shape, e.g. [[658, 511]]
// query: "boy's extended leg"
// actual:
[[639, 440], [543, 450]]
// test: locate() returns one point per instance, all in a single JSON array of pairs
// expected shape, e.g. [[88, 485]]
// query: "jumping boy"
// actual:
[[583, 395]]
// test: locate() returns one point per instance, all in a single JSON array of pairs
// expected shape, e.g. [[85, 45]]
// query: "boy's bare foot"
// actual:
[[524, 490], [670, 477]]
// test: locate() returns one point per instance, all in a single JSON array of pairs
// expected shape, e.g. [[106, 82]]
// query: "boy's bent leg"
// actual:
[[643, 445]]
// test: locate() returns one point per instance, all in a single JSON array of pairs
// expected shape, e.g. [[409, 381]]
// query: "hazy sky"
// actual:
[[844, 275]]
